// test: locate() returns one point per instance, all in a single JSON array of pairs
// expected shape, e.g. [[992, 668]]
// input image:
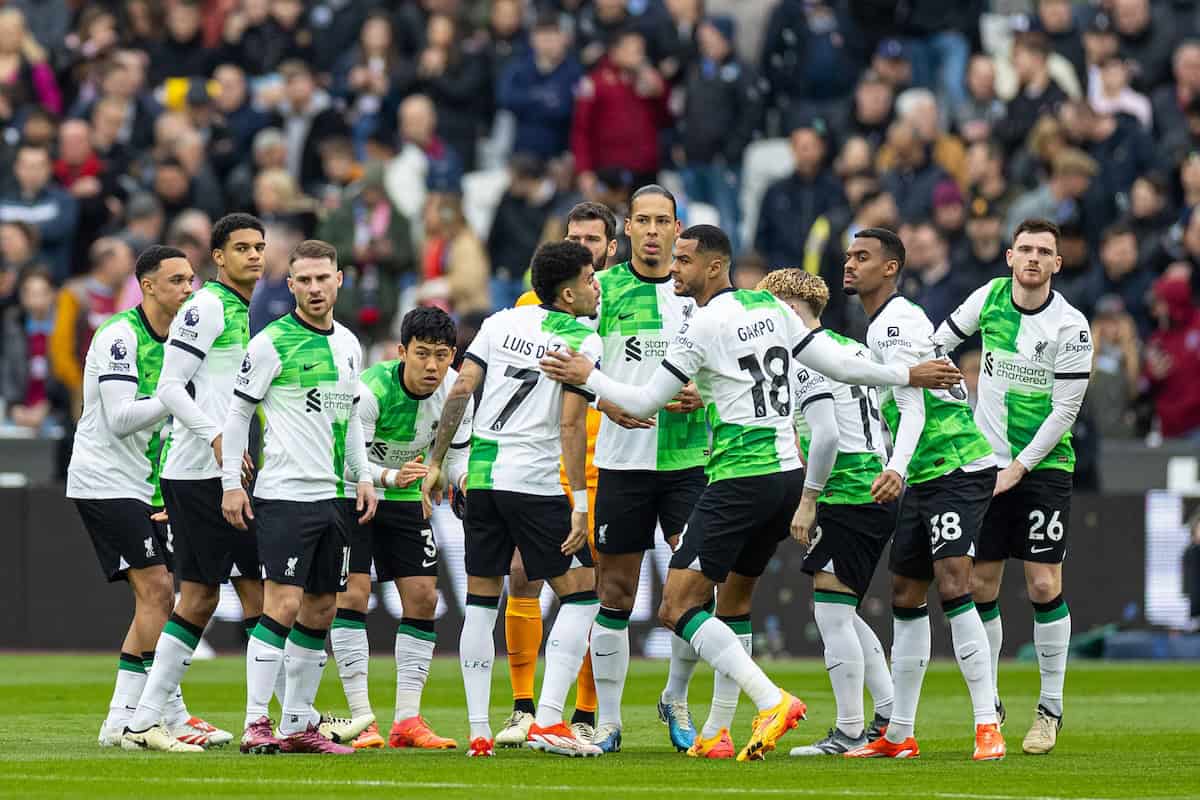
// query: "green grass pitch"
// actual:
[[1130, 732]]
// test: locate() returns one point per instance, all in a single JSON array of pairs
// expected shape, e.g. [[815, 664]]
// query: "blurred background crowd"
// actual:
[[437, 142]]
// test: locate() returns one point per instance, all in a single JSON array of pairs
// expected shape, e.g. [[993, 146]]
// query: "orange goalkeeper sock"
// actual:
[[585, 689], [522, 638]]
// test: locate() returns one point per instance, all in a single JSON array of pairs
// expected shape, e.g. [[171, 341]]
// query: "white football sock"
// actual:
[[1052, 639], [127, 692], [910, 657], [476, 652], [719, 646], [679, 672], [725, 689], [995, 635], [172, 657], [264, 668], [875, 669], [304, 659], [352, 654], [843, 658], [565, 649], [974, 659], [414, 652], [610, 662]]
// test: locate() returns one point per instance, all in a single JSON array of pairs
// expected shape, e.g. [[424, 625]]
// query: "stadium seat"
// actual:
[[482, 191], [765, 162]]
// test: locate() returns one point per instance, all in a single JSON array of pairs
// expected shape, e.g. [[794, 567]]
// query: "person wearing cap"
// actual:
[[950, 216], [1071, 177], [723, 107], [983, 258], [792, 204], [1037, 93], [892, 63]]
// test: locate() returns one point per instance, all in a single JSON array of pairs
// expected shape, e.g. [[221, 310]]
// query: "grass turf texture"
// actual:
[[1129, 732]]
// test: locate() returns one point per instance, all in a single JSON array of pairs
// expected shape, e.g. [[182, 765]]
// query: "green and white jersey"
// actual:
[[105, 465], [1027, 355], [899, 332], [738, 350], [204, 350], [398, 425], [306, 382], [638, 319], [516, 445], [861, 450]]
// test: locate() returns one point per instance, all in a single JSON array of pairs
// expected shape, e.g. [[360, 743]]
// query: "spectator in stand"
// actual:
[[269, 152], [278, 199], [26, 385], [517, 227], [892, 62], [1076, 280], [679, 38], [1109, 92], [1177, 144], [1061, 196], [507, 40], [272, 298], [809, 60], [191, 232], [937, 287], [379, 255], [341, 169], [335, 25], [986, 178], [620, 108], [264, 34], [1173, 360], [721, 113], [106, 120], [18, 253], [1116, 368], [370, 76], [937, 46], [1036, 94], [182, 53], [454, 264], [602, 23], [1151, 214], [1120, 275], [1172, 100], [82, 305], [791, 205], [984, 256], [1117, 143], [24, 72], [1055, 18], [89, 180], [912, 174], [974, 118], [308, 119], [455, 77], [144, 221], [95, 37], [918, 107], [121, 82], [38, 201], [950, 217], [870, 112], [1147, 39], [538, 87], [424, 158], [238, 121], [749, 270]]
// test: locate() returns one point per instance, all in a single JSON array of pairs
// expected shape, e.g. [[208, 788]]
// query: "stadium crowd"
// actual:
[[437, 142]]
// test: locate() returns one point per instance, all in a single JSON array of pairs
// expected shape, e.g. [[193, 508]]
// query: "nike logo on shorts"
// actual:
[[1035, 550], [429, 563]]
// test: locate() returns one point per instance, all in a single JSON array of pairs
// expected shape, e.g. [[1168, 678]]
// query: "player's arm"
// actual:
[[820, 414], [118, 382], [453, 412], [368, 416], [820, 352], [1072, 369], [573, 435], [459, 453], [963, 321], [260, 368], [359, 466], [187, 347]]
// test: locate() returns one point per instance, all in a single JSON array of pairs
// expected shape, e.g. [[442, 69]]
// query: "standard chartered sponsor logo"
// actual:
[[1009, 369]]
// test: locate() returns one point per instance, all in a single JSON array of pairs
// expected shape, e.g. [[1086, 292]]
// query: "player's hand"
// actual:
[[216, 448], [247, 469], [566, 366], [577, 539], [686, 401], [411, 472], [887, 486], [160, 516], [803, 519], [1009, 477], [623, 418], [235, 507], [366, 501], [432, 486], [937, 374], [458, 499]]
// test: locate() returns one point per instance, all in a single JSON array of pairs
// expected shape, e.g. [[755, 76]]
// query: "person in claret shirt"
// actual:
[[25, 381], [1173, 358]]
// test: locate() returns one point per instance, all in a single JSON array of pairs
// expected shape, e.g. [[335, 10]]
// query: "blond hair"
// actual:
[[796, 284]]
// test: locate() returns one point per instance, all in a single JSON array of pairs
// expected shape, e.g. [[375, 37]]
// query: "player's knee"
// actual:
[[319, 609], [668, 613], [284, 609], [1043, 588], [198, 605], [421, 603], [157, 592], [616, 590]]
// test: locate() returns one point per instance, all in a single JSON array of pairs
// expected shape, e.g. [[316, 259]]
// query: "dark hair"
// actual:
[[313, 248], [654, 189], [152, 257], [588, 210], [889, 242], [1033, 41], [27, 145], [625, 32], [1119, 228], [1038, 225], [710, 239], [429, 324], [224, 228], [32, 235], [556, 263]]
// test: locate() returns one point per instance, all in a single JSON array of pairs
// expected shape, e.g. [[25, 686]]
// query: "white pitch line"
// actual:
[[276, 783]]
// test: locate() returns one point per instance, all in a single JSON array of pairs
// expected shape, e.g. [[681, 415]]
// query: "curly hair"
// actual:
[[796, 284]]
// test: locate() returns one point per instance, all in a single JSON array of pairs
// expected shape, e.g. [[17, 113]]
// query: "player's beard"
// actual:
[[850, 291]]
